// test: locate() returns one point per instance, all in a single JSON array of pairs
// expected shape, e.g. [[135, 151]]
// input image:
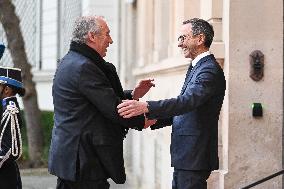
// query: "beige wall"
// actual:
[[249, 148], [254, 145]]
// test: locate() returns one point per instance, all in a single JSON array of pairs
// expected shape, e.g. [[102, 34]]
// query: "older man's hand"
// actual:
[[149, 122], [142, 88], [130, 108]]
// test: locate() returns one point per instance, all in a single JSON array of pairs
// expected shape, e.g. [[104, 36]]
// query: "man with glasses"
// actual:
[[194, 113]]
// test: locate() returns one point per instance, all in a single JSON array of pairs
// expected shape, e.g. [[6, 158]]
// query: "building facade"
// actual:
[[145, 45], [250, 148]]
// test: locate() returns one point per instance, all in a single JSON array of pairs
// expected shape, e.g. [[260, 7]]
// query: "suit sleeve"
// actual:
[[97, 89], [128, 95], [162, 123], [196, 94]]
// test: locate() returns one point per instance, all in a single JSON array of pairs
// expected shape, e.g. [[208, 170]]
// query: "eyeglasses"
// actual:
[[182, 38]]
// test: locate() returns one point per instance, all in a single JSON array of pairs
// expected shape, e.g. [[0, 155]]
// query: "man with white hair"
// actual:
[[87, 138]]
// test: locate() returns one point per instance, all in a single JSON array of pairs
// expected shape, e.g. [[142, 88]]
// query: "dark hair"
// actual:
[[199, 26], [17, 90]]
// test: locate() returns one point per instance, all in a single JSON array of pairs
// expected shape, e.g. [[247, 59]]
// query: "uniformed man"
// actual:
[[10, 133]]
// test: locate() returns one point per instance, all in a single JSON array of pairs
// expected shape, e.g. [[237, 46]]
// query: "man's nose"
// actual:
[[179, 43], [110, 41]]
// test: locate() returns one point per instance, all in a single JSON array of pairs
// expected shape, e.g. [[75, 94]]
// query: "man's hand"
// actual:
[[149, 122], [130, 108], [142, 88]]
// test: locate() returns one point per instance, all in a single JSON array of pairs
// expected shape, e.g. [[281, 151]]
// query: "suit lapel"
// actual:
[[189, 74], [188, 78]]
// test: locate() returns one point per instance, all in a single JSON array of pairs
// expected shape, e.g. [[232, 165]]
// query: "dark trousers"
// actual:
[[10, 176], [187, 179], [94, 184]]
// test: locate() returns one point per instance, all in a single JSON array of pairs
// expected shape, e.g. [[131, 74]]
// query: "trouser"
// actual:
[[10, 176], [94, 184], [188, 179]]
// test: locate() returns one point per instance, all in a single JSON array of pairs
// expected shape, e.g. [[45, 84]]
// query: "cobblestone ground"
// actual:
[[41, 179]]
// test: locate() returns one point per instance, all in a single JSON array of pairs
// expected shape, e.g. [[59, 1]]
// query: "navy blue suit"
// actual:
[[194, 117]]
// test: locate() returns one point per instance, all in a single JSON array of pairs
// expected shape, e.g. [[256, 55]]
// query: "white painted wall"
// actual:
[[110, 10], [43, 77], [44, 89], [49, 34]]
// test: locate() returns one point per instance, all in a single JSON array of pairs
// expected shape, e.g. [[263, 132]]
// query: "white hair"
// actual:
[[83, 25]]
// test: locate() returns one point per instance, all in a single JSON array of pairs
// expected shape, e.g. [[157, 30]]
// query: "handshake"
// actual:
[[131, 108]]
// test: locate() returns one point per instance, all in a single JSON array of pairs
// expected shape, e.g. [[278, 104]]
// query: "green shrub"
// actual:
[[47, 125]]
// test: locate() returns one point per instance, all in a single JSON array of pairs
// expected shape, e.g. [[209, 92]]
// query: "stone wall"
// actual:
[[249, 148]]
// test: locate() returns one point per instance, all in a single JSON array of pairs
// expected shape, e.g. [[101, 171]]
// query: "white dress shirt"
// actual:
[[194, 61]]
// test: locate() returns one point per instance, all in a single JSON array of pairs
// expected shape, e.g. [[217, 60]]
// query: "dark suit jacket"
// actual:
[[88, 133], [194, 117], [11, 145]]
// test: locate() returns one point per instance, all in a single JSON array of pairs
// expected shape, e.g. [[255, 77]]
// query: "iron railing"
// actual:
[[264, 179]]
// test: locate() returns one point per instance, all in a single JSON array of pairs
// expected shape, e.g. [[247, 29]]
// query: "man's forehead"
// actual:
[[101, 22], [185, 29], [106, 29], [103, 25]]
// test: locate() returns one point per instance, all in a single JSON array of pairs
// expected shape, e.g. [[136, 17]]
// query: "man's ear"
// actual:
[[8, 91], [5, 89], [201, 39], [91, 36]]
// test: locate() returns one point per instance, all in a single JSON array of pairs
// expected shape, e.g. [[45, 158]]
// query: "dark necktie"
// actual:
[[186, 77], [188, 71]]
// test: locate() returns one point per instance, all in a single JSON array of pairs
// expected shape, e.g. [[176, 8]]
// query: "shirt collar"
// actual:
[[194, 61]]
